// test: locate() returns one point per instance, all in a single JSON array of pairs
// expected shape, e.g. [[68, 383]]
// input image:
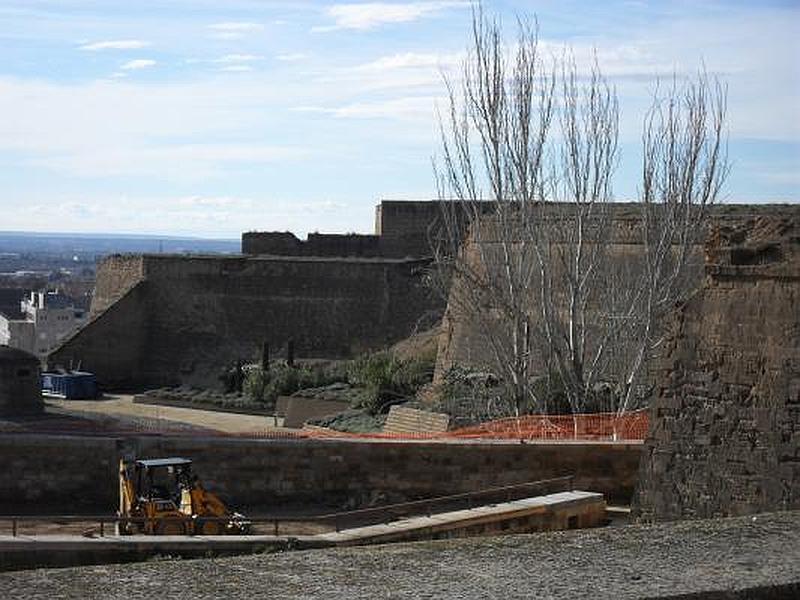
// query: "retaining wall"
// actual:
[[47, 474]]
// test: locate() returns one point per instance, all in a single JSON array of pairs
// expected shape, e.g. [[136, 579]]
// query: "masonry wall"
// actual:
[[316, 244], [45, 473], [116, 274], [396, 219], [193, 315], [114, 343], [463, 341], [411, 245], [402, 229], [725, 423], [20, 388]]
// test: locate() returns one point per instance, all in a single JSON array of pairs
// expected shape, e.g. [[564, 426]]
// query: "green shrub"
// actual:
[[352, 421], [387, 379], [470, 396], [379, 380], [283, 380]]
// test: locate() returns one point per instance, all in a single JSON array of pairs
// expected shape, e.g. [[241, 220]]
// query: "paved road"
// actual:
[[734, 556], [122, 405]]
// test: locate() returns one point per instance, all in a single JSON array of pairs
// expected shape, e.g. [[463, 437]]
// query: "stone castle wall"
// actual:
[[725, 423], [191, 315], [401, 230], [316, 244], [114, 343], [119, 274], [462, 340]]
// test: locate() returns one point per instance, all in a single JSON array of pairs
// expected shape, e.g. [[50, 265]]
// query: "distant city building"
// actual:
[[40, 322], [10, 299]]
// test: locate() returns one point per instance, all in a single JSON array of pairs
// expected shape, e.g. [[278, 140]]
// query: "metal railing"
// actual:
[[336, 521]]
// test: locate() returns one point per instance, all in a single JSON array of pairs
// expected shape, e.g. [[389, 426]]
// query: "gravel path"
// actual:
[[666, 560]]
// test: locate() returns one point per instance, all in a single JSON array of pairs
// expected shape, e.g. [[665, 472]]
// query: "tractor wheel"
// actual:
[[170, 527], [203, 527]]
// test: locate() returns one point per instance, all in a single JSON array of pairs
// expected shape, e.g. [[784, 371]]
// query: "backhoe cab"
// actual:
[[163, 497]]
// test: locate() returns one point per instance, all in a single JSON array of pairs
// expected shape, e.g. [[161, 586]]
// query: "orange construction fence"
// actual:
[[598, 426]]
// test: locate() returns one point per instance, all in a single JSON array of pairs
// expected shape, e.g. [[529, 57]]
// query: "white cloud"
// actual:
[[214, 201], [116, 128], [291, 57], [234, 30], [138, 64], [418, 70], [237, 69], [175, 161], [238, 58], [413, 108], [374, 14], [410, 60], [115, 45]]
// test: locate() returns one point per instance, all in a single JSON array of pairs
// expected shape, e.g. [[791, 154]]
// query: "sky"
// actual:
[[211, 117]]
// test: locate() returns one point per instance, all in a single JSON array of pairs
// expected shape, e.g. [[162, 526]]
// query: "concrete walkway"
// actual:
[[123, 406], [540, 513], [550, 512]]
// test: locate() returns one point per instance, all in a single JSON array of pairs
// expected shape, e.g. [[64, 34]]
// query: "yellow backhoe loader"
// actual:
[[162, 496]]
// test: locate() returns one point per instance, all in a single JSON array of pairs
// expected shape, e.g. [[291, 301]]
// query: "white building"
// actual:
[[43, 321]]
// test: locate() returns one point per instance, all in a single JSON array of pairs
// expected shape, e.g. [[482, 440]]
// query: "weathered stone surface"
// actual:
[[725, 424], [412, 420], [177, 319], [463, 342], [401, 230], [20, 383], [730, 559]]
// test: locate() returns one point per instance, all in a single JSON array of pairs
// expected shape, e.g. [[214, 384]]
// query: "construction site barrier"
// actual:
[[589, 427]]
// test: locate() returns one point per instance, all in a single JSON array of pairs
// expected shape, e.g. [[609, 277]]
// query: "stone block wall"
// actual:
[[20, 384], [402, 229], [58, 475], [189, 316], [113, 344], [116, 274], [316, 244], [396, 219], [725, 424], [47, 472]]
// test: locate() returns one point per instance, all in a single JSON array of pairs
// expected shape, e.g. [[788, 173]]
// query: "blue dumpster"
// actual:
[[75, 385]]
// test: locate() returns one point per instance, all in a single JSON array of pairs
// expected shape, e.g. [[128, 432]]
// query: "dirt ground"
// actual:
[[122, 406]]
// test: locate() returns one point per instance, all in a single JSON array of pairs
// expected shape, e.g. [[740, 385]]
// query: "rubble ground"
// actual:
[[743, 557]]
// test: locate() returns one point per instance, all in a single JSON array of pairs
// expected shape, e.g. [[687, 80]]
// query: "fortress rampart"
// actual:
[[401, 231], [725, 421], [164, 319], [180, 319], [462, 340]]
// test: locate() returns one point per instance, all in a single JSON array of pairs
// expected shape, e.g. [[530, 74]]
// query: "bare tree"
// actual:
[[531, 251]]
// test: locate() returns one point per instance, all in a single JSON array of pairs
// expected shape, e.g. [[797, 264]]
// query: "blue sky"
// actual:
[[212, 117]]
